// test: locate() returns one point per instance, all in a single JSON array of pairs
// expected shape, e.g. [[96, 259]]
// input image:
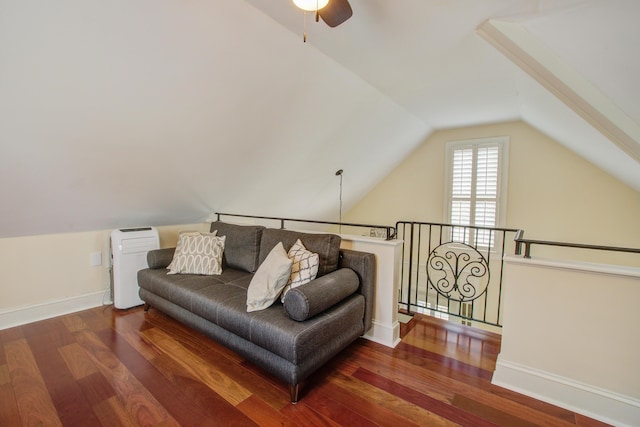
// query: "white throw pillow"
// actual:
[[198, 253], [272, 275], [304, 268]]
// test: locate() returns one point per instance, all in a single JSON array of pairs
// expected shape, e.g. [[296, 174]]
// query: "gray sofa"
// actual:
[[290, 340]]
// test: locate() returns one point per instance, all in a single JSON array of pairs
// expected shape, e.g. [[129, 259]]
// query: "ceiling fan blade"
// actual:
[[336, 12]]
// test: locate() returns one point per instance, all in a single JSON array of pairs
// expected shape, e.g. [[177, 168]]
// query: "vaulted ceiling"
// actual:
[[153, 112]]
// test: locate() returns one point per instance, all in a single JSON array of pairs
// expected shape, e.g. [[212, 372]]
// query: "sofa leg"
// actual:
[[294, 389], [147, 306]]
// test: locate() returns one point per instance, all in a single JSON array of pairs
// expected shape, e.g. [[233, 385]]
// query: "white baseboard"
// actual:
[[388, 335], [585, 399], [23, 315]]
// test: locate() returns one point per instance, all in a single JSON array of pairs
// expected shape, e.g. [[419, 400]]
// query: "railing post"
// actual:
[[391, 233], [517, 238], [410, 271], [527, 250]]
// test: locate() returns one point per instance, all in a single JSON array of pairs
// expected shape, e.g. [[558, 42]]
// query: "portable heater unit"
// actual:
[[129, 247]]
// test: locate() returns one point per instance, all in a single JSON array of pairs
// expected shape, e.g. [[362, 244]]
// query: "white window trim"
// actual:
[[503, 142]]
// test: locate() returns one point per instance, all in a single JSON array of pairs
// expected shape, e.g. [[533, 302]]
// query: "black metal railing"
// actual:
[[453, 270], [528, 243], [389, 232]]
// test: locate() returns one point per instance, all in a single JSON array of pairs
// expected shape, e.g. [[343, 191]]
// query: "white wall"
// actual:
[[553, 194], [570, 336], [51, 271]]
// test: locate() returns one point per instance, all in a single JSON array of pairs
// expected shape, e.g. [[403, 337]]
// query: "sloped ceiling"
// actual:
[[153, 112]]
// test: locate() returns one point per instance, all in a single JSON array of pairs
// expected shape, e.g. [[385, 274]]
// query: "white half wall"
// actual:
[[570, 336], [385, 329]]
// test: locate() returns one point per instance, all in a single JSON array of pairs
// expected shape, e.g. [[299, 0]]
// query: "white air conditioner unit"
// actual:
[[129, 247]]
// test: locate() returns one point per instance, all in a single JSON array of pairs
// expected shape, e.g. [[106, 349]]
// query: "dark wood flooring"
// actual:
[[104, 367]]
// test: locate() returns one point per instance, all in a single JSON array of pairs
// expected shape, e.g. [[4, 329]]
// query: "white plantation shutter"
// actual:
[[474, 187]]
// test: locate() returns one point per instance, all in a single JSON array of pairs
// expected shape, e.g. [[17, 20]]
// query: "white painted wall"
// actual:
[[41, 275], [570, 336], [553, 194]]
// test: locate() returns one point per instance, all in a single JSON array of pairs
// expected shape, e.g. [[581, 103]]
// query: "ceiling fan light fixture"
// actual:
[[310, 5]]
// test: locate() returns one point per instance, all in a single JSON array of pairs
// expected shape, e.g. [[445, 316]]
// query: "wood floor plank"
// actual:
[[175, 399], [489, 413], [256, 381], [212, 376], [67, 396], [303, 415], [264, 414], [4, 372], [536, 405], [77, 360], [31, 394], [111, 413], [141, 344], [98, 318], [339, 412], [10, 334], [127, 320], [136, 399], [450, 345], [196, 342], [96, 388], [9, 413], [216, 410], [409, 367], [389, 403], [47, 340], [435, 359], [73, 322], [434, 406], [434, 379], [370, 408], [246, 376]]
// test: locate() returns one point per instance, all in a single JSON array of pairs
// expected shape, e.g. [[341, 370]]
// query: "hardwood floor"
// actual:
[[104, 367]]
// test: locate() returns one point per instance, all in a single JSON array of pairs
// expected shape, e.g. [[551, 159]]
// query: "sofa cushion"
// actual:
[[242, 245], [268, 282], [327, 246], [198, 253], [306, 301]]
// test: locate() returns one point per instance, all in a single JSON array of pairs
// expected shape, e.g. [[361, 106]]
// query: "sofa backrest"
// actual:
[[327, 246], [242, 245]]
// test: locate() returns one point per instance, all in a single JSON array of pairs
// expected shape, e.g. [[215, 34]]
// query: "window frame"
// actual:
[[502, 142]]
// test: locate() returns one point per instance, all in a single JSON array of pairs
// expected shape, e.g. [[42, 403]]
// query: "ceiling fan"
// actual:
[[332, 12]]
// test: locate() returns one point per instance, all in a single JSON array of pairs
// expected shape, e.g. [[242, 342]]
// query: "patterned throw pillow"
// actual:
[[198, 253], [304, 268]]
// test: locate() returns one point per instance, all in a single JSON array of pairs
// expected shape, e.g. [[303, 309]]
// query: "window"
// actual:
[[476, 184]]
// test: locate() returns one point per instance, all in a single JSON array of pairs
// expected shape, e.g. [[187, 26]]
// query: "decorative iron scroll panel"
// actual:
[[457, 271]]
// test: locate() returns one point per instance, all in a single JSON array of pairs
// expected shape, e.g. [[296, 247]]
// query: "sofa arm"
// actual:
[[305, 301], [364, 264], [160, 258]]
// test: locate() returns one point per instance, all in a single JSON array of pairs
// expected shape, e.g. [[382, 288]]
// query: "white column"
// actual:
[[385, 329]]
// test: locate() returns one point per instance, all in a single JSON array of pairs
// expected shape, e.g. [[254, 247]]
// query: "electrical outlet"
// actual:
[[96, 259]]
